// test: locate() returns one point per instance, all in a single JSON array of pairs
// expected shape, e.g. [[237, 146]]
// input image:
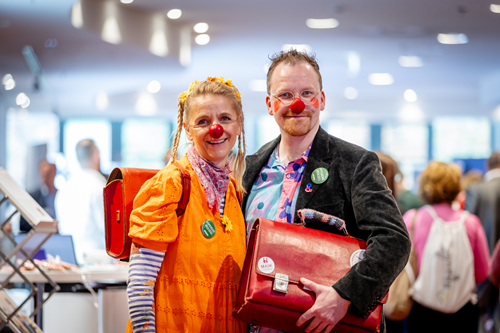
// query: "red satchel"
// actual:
[[278, 255], [122, 186]]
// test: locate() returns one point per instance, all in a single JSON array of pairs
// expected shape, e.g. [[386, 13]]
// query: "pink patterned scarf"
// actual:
[[214, 180]]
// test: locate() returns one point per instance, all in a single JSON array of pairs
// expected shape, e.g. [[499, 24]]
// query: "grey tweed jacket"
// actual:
[[357, 192]]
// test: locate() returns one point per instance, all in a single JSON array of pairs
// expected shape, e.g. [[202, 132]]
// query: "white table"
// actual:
[[102, 274], [105, 318]]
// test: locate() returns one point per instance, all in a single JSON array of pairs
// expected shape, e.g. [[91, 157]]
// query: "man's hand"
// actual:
[[327, 311]]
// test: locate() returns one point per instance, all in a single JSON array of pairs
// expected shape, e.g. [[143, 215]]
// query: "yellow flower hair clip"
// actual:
[[185, 94]]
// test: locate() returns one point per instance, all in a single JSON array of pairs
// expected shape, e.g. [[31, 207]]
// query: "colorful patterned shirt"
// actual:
[[274, 193]]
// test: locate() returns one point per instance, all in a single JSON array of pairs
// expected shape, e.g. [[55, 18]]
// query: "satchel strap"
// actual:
[[186, 189]]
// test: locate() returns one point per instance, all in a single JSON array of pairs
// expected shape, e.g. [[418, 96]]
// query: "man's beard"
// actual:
[[297, 127]]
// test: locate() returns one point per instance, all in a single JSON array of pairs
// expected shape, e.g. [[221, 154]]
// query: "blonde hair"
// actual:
[[440, 182], [214, 86]]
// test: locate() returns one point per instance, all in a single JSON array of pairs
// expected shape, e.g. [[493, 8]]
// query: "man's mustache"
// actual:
[[304, 113]]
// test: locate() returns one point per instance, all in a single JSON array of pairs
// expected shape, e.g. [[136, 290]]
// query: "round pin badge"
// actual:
[[357, 256], [319, 176], [208, 229]]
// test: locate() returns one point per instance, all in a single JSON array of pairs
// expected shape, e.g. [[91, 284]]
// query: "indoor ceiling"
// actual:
[[371, 36]]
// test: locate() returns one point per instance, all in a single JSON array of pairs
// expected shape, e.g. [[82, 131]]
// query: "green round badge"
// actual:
[[208, 229], [319, 176]]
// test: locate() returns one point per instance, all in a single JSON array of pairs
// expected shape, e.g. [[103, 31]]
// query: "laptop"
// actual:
[[56, 245]]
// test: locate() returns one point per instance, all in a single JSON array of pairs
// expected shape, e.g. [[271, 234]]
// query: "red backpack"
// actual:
[[122, 186]]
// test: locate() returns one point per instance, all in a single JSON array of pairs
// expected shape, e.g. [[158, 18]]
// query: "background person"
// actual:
[[483, 200], [185, 271], [80, 208], [45, 195], [349, 185], [439, 186]]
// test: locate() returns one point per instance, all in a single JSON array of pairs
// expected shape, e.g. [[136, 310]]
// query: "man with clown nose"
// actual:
[[305, 167]]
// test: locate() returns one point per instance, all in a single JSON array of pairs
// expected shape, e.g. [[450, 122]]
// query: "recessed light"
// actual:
[[350, 93], [154, 86], [411, 113], [410, 95], [328, 23], [8, 82], [453, 38], [101, 101], [174, 14], [202, 39], [381, 79], [126, 1], [21, 98], [495, 8], [410, 61], [201, 27]]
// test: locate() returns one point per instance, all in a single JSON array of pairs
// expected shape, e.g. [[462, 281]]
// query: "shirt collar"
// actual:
[[304, 156]]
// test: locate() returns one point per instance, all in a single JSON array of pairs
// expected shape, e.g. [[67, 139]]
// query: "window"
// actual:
[[408, 144], [145, 142], [461, 137], [358, 133]]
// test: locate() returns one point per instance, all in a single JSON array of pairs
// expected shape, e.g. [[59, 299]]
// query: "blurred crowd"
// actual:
[[450, 198]]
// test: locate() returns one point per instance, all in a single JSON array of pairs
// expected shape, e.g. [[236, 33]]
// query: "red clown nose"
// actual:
[[216, 131], [297, 105]]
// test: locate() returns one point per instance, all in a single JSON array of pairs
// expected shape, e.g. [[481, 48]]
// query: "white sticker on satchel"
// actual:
[[357, 256], [266, 265]]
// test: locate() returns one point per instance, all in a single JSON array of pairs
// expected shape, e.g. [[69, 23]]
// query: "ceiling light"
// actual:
[[350, 93], [8, 82], [411, 113], [258, 85], [381, 79], [77, 15], [174, 14], [495, 8], [101, 101], [410, 61], [452, 38], [111, 31], [126, 1], [410, 95], [154, 86], [158, 44], [201, 27], [202, 39], [21, 98], [298, 47], [329, 23], [353, 63], [146, 105], [26, 103], [185, 46]]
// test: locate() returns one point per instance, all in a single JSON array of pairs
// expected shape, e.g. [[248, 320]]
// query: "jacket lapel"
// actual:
[[319, 157]]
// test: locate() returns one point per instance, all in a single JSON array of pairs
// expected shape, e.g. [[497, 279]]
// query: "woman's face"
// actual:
[[207, 110]]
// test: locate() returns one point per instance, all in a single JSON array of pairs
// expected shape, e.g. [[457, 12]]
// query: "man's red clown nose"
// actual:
[[297, 105], [216, 131]]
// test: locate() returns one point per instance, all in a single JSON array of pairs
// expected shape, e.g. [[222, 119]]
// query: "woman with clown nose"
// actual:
[[185, 270]]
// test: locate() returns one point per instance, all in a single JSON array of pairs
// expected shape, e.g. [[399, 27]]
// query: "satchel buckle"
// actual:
[[280, 283]]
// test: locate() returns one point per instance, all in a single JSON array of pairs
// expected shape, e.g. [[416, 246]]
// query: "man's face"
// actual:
[[298, 78]]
